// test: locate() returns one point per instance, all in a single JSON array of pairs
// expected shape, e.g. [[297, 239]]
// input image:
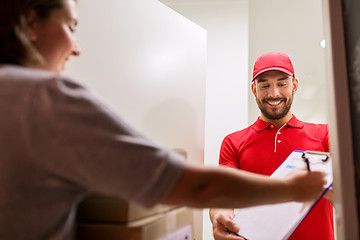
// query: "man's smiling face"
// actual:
[[274, 92]]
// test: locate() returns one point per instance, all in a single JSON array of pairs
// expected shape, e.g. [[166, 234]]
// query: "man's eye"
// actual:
[[264, 86]]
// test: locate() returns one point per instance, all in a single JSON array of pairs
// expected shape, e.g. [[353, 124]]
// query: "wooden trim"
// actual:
[[346, 213]]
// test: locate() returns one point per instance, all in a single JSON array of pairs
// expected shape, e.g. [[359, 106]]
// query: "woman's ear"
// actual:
[[32, 35], [32, 21]]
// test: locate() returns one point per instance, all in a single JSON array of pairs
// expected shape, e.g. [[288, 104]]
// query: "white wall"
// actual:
[[149, 63], [226, 22], [296, 28]]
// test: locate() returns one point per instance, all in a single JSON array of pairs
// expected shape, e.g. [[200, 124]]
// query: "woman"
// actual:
[[59, 142]]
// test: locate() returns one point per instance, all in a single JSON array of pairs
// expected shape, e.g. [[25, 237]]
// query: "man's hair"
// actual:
[[15, 45]]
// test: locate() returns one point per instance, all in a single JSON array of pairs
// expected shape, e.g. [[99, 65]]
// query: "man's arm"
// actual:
[[329, 195]]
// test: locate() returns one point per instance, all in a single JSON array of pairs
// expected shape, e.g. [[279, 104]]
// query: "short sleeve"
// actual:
[[84, 145], [228, 155]]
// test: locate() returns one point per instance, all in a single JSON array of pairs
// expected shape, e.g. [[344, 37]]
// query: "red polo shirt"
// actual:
[[262, 147]]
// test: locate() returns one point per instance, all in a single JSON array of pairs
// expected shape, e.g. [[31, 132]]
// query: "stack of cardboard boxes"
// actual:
[[102, 217]]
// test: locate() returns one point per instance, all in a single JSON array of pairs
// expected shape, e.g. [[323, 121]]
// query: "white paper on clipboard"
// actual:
[[279, 221]]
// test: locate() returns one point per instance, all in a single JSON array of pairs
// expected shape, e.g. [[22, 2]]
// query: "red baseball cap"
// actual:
[[273, 61]]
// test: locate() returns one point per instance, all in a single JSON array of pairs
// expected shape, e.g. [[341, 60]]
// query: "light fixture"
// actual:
[[322, 43]]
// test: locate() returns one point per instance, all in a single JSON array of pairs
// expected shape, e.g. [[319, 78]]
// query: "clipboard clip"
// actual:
[[310, 157], [326, 154]]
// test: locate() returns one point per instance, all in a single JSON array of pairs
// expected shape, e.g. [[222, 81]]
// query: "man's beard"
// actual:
[[275, 115]]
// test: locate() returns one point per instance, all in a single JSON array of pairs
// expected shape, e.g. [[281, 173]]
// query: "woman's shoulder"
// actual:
[[11, 71], [25, 76]]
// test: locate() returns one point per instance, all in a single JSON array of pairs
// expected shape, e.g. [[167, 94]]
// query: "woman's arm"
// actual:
[[205, 187]]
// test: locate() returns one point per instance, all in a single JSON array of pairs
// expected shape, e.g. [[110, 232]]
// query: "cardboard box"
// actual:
[[98, 208], [103, 209], [158, 226]]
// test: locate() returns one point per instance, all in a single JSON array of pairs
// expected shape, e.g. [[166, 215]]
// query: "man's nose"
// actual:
[[274, 92]]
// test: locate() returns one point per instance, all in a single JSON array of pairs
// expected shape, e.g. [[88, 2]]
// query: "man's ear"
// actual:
[[296, 85], [253, 88]]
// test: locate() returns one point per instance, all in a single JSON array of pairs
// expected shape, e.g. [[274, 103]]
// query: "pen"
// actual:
[[236, 234], [306, 161]]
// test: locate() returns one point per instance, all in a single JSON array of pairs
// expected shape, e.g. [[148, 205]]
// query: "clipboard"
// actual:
[[280, 220]]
